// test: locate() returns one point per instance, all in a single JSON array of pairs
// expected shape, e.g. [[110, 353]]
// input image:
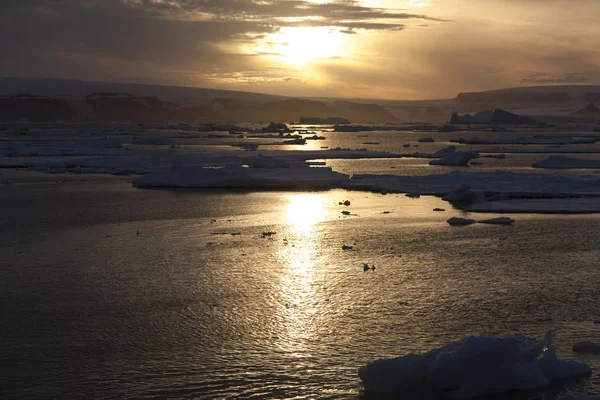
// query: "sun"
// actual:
[[300, 46]]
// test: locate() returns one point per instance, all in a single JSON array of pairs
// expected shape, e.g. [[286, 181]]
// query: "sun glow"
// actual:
[[300, 46], [304, 211]]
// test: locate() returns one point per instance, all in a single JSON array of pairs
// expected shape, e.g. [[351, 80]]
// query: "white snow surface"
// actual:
[[500, 182], [238, 177], [475, 366]]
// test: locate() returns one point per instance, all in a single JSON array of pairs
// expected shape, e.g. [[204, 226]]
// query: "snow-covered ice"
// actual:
[[569, 205], [475, 366], [238, 177]]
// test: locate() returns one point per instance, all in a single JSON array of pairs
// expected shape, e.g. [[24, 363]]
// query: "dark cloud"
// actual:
[[144, 40], [540, 78]]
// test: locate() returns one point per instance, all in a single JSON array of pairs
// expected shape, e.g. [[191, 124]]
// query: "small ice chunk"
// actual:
[[455, 221], [497, 221], [587, 347]]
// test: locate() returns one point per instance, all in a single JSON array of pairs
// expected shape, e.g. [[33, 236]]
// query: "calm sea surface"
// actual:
[[107, 291]]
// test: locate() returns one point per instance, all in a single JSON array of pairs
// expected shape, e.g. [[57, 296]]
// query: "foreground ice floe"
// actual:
[[475, 366]]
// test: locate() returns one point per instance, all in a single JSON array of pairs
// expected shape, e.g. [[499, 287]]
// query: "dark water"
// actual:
[[184, 309]]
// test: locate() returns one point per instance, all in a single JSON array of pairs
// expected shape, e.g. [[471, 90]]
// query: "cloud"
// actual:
[[541, 78]]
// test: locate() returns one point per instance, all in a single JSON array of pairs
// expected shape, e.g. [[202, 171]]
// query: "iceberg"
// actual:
[[475, 366]]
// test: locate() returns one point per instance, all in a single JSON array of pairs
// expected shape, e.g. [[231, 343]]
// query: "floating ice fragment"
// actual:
[[498, 221], [455, 221]]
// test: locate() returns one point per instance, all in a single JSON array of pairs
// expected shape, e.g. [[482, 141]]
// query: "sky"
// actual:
[[387, 49]]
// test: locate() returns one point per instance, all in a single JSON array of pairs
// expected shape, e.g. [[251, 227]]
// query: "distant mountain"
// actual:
[[102, 101], [551, 100], [76, 90], [34, 108], [589, 111]]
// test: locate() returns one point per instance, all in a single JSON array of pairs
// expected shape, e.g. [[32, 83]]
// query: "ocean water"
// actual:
[[111, 292]]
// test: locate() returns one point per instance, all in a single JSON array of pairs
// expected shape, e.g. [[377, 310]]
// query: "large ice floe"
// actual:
[[473, 367], [544, 140], [490, 183], [562, 162], [263, 173]]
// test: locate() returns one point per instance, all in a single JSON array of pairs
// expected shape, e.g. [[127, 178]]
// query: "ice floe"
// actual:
[[562, 162], [456, 221], [238, 177], [539, 140], [497, 221], [473, 367]]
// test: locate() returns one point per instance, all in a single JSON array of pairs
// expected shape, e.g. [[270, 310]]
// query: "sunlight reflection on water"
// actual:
[[300, 256]]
